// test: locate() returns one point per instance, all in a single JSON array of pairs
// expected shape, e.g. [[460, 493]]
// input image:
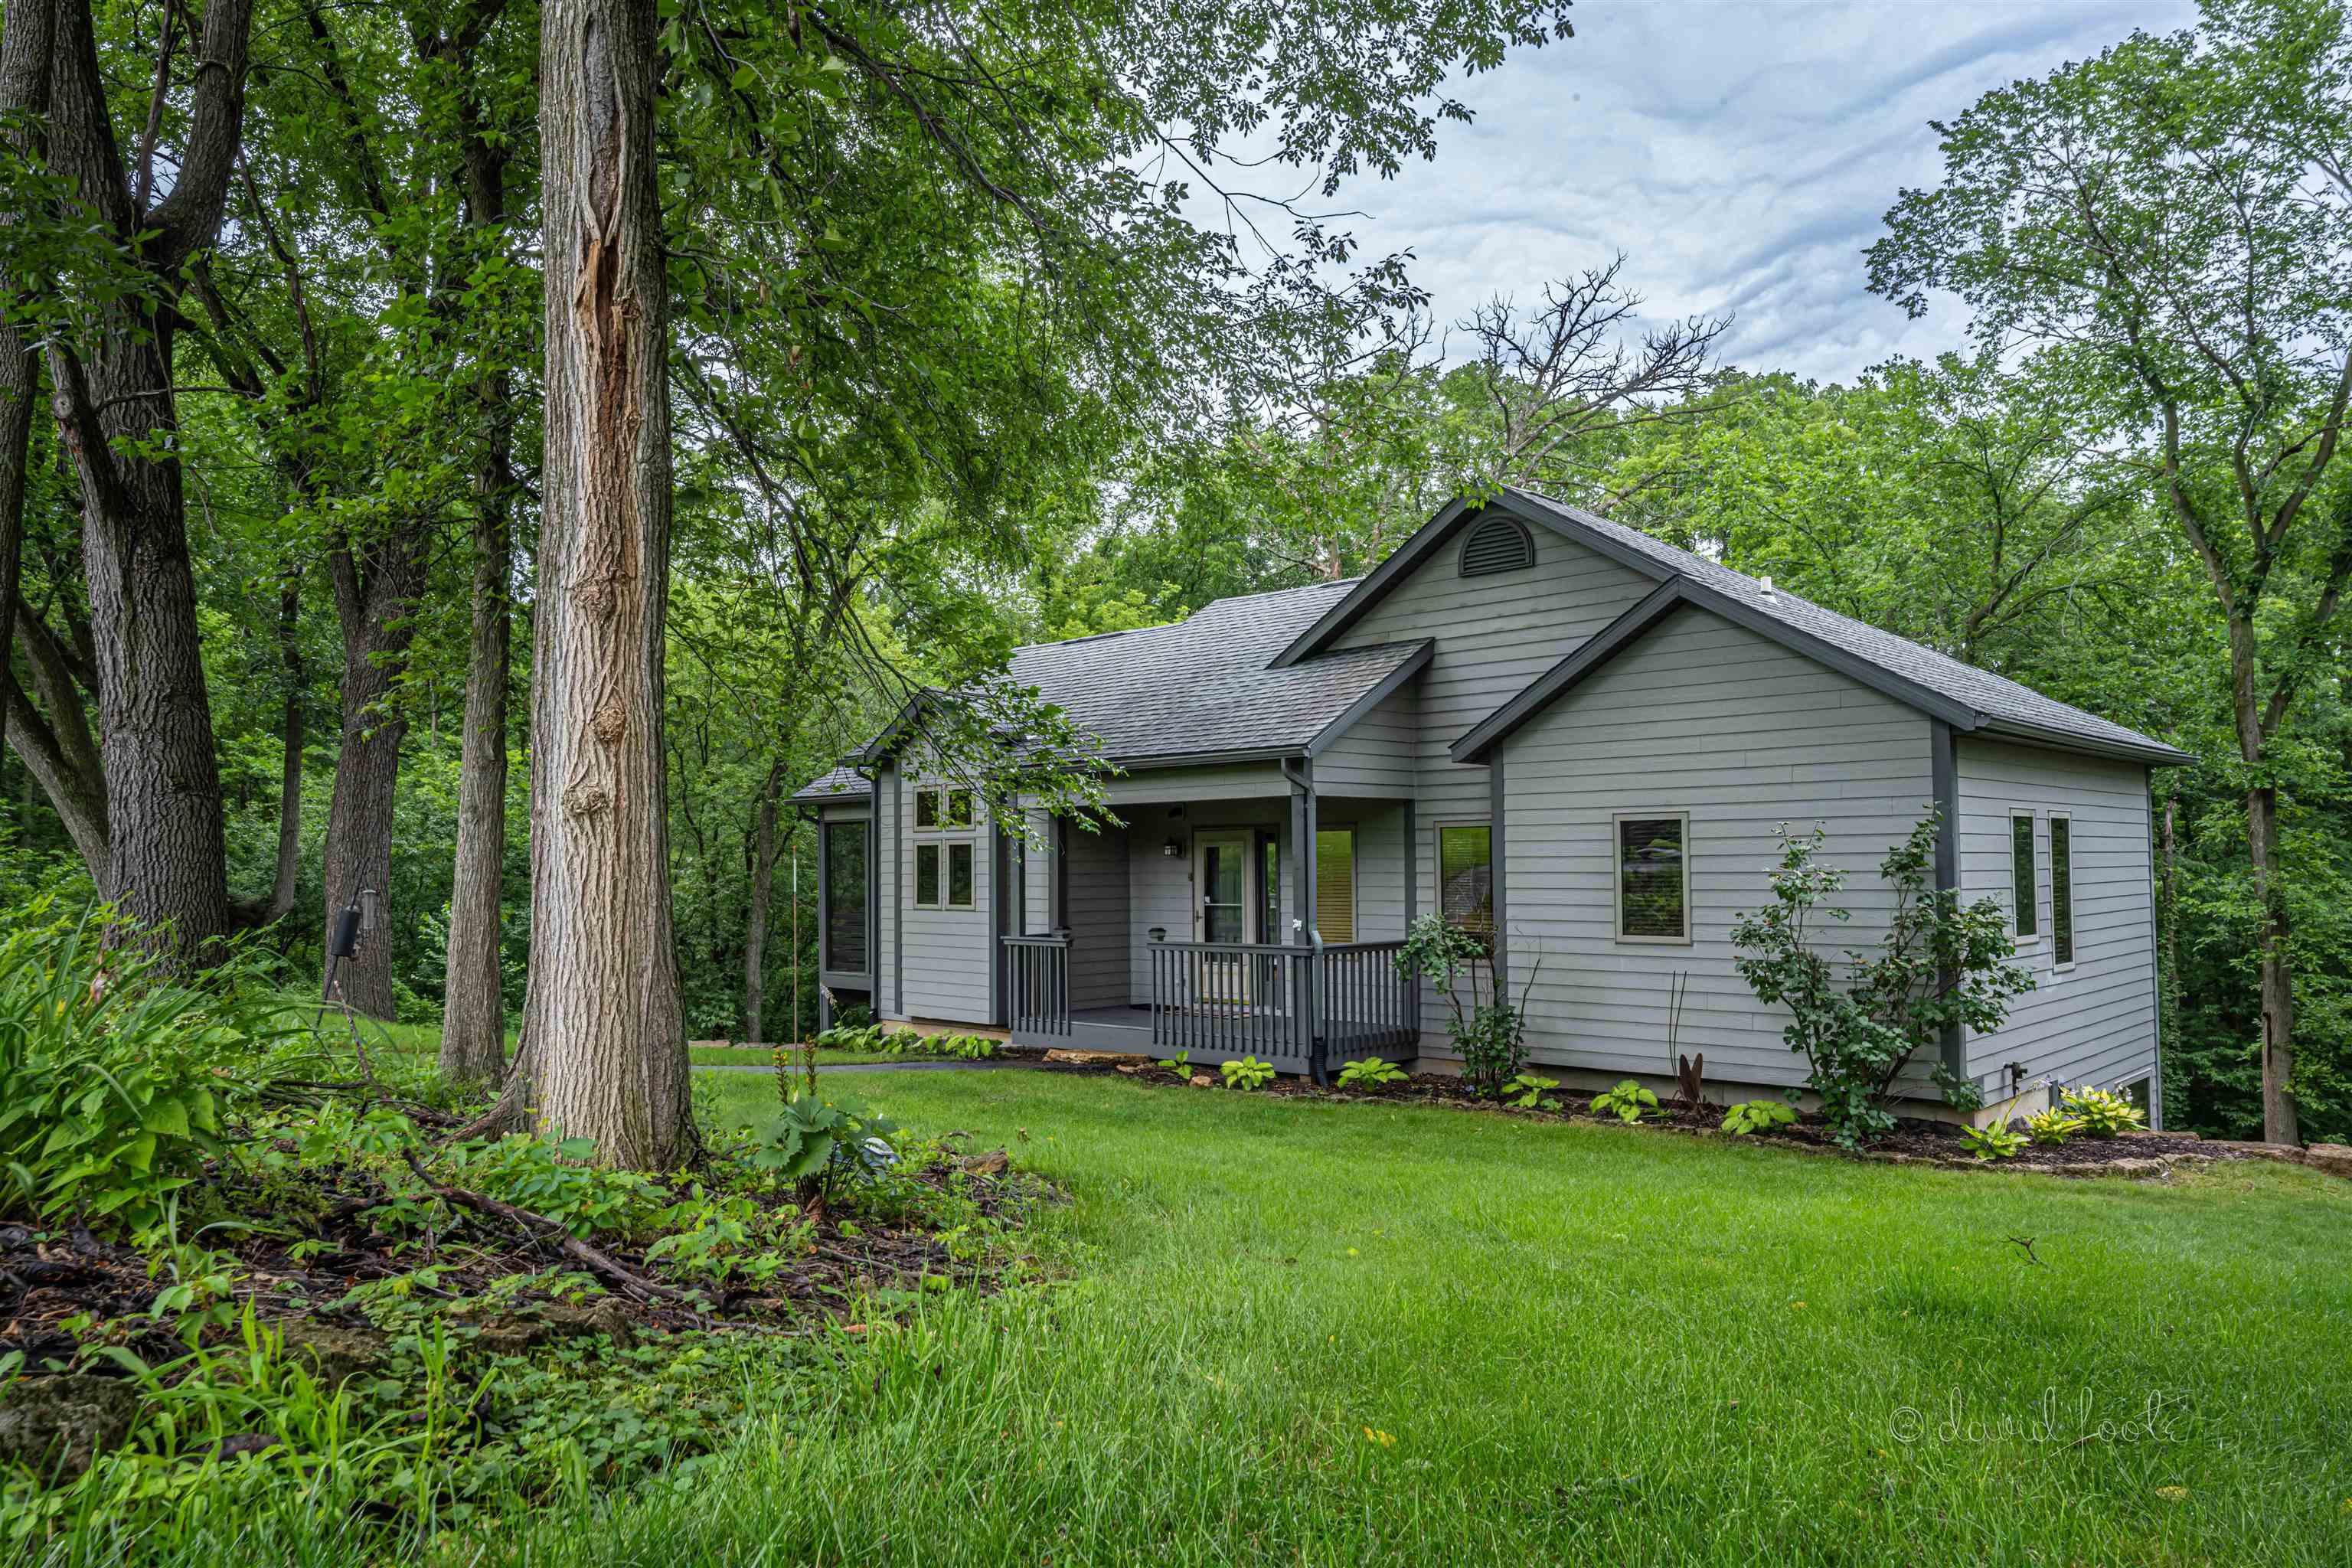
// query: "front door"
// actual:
[[1221, 886]]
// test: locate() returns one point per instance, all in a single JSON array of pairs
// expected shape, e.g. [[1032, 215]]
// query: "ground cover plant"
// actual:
[[1348, 1330], [245, 1267]]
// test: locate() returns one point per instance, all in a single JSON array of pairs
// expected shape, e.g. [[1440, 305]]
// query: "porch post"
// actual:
[[1412, 869], [1310, 1002]]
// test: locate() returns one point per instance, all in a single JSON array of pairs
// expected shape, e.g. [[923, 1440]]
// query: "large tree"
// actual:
[[116, 406], [2175, 216]]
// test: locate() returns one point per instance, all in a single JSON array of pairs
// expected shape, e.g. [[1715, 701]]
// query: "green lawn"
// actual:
[[1566, 1344], [425, 1039]]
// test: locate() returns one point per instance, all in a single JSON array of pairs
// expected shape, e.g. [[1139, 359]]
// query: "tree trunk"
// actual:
[[601, 1012], [290, 772], [375, 597], [111, 390], [474, 1017], [474, 1014], [2278, 992], [28, 31], [755, 926]]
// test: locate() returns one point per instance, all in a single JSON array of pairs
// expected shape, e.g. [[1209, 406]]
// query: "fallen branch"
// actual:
[[596, 1262]]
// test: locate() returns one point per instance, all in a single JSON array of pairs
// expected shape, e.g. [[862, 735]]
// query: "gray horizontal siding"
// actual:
[[1097, 916], [2095, 1022], [1494, 634], [1224, 781], [1379, 753], [947, 953], [1703, 716]]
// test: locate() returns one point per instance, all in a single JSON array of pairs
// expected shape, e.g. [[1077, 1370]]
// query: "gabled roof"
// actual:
[[1971, 701], [1201, 690], [842, 785]]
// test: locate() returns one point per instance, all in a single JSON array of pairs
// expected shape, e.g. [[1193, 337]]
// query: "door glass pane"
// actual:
[[1335, 883], [1223, 879]]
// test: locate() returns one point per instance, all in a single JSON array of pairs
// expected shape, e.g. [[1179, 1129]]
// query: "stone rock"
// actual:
[[2287, 1151], [523, 1330], [2336, 1159], [1090, 1059], [58, 1423], [2133, 1168], [338, 1352], [1202, 1080], [711, 1045]]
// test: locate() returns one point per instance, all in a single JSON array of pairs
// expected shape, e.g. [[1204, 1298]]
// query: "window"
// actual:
[[844, 897], [927, 811], [958, 812], [927, 876], [1497, 544], [2139, 1092], [1335, 883], [959, 874], [1654, 877], [1269, 888], [2024, 881], [1465, 878], [2062, 890], [943, 810]]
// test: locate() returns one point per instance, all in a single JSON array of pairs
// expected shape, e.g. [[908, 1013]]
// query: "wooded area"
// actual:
[[719, 376]]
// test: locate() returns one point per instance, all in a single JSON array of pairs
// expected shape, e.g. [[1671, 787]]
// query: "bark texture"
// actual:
[[289, 774], [473, 1018], [111, 392], [28, 31], [606, 1047], [376, 586]]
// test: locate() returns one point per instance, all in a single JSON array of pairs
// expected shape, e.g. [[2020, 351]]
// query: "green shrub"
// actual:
[[116, 1080], [1371, 1073], [1940, 965], [1180, 1064], [1247, 1073], [1489, 1032], [2101, 1114], [1628, 1103], [1758, 1116]]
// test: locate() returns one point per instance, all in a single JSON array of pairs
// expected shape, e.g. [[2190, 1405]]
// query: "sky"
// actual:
[[1742, 155]]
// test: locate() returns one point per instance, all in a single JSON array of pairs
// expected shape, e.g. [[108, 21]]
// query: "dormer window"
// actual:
[[1497, 544]]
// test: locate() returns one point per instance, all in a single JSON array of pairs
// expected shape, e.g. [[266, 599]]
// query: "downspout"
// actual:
[[1301, 779]]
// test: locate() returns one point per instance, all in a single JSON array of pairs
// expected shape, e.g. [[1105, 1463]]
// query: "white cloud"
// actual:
[[1742, 155]]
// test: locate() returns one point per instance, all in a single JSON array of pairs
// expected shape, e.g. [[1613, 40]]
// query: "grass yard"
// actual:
[[425, 1039], [1344, 1333]]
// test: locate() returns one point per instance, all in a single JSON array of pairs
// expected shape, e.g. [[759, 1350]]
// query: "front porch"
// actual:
[[1302, 1010]]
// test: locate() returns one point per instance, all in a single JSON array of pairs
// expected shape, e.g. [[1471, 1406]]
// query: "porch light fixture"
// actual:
[[1172, 849]]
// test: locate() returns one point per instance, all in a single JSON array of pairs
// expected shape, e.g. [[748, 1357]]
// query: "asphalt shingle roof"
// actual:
[[1198, 688], [1998, 699]]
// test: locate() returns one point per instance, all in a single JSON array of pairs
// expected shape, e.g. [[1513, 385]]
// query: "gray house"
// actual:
[[1538, 723]]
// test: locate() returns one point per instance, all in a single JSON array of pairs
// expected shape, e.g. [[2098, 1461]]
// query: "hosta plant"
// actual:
[[2101, 1113], [1758, 1116], [2052, 1128], [1532, 1091], [1373, 1072], [1628, 1103], [1247, 1073]]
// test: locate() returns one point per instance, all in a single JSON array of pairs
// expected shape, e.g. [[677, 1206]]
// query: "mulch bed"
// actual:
[[43, 1284], [1913, 1142]]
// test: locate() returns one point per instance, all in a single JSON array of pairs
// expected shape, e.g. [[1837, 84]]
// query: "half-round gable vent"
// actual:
[[1497, 545]]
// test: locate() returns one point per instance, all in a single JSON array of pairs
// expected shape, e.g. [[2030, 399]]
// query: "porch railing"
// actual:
[[1294, 1006], [1234, 999], [1367, 1008], [1037, 982]]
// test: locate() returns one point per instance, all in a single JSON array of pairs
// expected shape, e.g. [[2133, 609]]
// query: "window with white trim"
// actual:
[[1653, 856], [927, 875], [2061, 889], [1335, 883], [1465, 877], [2024, 878], [960, 857]]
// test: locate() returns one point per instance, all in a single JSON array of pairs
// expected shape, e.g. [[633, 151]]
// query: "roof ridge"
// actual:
[[1192, 614]]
